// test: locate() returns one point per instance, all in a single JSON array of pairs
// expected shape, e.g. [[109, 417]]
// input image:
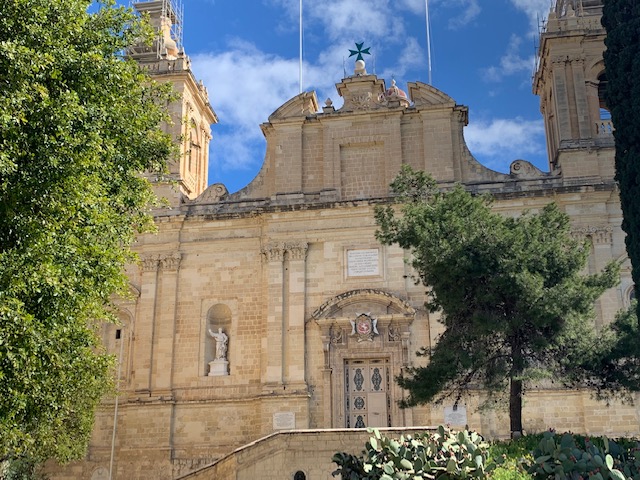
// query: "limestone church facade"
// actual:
[[274, 308]]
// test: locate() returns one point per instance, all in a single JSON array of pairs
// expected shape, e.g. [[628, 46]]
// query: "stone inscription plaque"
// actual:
[[284, 421], [363, 263], [455, 416]]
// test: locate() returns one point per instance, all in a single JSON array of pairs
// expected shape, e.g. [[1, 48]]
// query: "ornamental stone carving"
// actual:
[[297, 251], [213, 194], [336, 335], [149, 263], [273, 252], [394, 333], [170, 262], [361, 102], [364, 327], [599, 234], [524, 169]]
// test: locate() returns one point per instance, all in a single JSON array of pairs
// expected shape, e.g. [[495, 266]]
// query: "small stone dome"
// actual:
[[394, 91], [394, 97]]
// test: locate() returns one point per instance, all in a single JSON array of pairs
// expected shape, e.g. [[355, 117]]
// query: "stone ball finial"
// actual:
[[360, 68]]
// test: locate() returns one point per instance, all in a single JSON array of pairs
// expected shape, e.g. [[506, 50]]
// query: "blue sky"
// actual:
[[246, 52]]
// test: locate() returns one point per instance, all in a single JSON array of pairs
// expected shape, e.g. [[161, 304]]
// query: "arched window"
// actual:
[[299, 475], [194, 147], [605, 114]]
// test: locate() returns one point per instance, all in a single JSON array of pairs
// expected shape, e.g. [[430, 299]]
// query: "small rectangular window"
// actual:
[[118, 334]]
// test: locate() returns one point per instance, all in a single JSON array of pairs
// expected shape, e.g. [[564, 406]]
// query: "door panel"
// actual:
[[366, 393]]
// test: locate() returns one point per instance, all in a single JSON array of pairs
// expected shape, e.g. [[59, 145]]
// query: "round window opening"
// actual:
[[299, 475]]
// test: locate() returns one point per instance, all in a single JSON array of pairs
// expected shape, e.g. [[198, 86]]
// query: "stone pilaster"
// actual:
[[294, 345], [165, 323], [561, 99], [272, 344], [582, 102], [601, 238], [144, 324]]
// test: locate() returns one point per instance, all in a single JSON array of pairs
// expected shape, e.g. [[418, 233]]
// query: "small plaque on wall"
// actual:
[[455, 416], [284, 421], [363, 263]]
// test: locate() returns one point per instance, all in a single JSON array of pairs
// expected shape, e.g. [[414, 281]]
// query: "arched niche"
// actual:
[[218, 316]]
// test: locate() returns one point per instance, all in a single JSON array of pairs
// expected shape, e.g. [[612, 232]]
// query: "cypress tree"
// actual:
[[621, 19]]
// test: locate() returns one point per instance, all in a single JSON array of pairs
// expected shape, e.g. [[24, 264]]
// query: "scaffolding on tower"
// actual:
[[161, 11]]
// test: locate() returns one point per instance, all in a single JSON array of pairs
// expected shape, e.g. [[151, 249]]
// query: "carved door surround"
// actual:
[[363, 325]]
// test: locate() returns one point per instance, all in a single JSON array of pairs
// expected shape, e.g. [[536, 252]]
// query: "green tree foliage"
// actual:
[[613, 368], [78, 123], [621, 19], [514, 303]]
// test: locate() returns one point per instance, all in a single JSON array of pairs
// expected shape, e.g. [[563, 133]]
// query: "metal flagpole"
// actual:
[[426, 5], [300, 46]]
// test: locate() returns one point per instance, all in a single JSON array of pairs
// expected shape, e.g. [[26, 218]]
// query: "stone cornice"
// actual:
[[548, 186]]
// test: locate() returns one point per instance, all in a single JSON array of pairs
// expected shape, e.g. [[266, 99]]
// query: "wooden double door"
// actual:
[[367, 401]]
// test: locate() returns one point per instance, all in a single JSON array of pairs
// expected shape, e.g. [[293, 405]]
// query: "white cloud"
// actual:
[[511, 62], [466, 11], [245, 86], [347, 19], [470, 11], [535, 10], [414, 6], [500, 141], [243, 81]]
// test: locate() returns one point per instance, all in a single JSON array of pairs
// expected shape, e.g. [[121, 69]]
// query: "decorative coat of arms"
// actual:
[[365, 327]]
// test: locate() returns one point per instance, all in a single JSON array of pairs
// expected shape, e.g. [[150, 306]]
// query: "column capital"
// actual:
[[599, 234], [170, 261], [273, 251], [297, 250], [149, 263]]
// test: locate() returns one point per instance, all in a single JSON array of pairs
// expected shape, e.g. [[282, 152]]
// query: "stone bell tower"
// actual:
[[191, 114], [570, 80]]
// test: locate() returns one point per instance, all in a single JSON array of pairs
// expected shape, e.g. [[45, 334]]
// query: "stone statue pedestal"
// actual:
[[218, 368]]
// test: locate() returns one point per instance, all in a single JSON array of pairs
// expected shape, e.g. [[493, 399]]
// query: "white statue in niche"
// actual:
[[221, 343], [219, 366]]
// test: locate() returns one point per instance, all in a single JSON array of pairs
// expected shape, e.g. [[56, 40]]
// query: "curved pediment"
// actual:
[[363, 300], [423, 94], [301, 105]]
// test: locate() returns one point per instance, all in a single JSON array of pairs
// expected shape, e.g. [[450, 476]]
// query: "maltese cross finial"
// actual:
[[359, 51]]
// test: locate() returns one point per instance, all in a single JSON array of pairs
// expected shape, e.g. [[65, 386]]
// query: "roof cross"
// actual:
[[359, 51]]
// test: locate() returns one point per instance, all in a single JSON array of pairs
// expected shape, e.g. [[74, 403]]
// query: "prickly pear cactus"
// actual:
[[444, 454]]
